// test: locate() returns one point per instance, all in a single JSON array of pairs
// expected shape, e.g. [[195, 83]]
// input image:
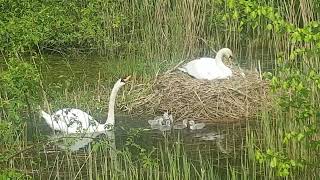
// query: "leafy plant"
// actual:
[[19, 94], [144, 157], [20, 90], [278, 161], [11, 174]]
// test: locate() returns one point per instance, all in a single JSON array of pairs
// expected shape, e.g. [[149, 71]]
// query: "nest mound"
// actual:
[[230, 100]]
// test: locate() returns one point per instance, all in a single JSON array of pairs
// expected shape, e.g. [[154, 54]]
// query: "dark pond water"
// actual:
[[91, 69], [126, 126], [225, 145], [224, 139], [57, 69]]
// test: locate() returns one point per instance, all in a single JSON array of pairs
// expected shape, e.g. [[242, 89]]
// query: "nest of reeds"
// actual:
[[229, 100]]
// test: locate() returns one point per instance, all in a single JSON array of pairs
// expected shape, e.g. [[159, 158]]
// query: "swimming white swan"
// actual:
[[70, 120], [209, 68]]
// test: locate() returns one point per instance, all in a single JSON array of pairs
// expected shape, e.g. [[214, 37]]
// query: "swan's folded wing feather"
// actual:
[[74, 119], [197, 68], [203, 68]]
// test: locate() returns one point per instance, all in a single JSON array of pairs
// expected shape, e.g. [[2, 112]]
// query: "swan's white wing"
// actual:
[[73, 120], [225, 72], [203, 68], [182, 69], [195, 69]]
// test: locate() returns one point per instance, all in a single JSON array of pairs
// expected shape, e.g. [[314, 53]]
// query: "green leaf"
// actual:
[[300, 136], [273, 162]]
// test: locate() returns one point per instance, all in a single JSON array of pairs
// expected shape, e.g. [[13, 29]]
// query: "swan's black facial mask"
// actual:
[[230, 58]]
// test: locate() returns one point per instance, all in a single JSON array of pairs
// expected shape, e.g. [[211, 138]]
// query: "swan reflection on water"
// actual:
[[80, 141], [210, 136], [77, 141], [213, 136]]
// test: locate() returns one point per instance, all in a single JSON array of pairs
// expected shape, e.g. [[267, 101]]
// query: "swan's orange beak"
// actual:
[[125, 79]]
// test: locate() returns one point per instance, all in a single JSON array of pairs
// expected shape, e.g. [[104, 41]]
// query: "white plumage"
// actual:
[[209, 68], [71, 120]]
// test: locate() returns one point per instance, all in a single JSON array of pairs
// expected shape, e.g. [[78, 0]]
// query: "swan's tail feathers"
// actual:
[[182, 69], [45, 115]]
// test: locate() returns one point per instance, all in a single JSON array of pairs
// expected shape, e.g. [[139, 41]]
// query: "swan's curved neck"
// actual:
[[112, 100], [219, 57]]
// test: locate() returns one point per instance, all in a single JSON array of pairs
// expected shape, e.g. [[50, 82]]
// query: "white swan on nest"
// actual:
[[70, 120], [209, 68]]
